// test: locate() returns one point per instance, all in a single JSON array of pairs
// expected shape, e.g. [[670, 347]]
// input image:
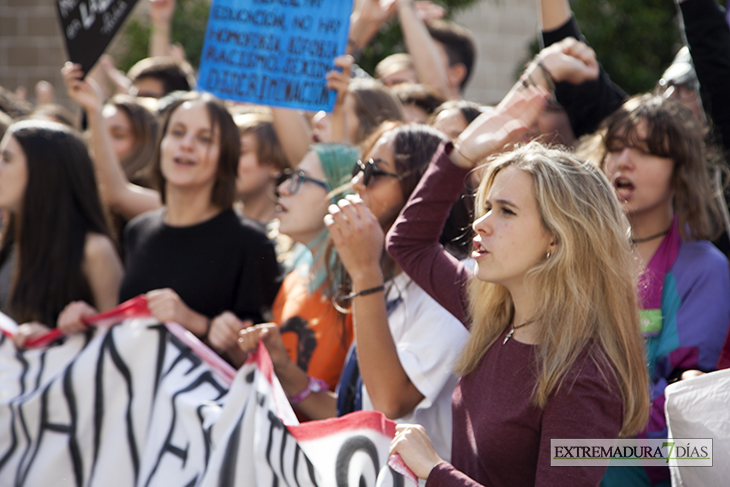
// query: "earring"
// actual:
[[548, 255]]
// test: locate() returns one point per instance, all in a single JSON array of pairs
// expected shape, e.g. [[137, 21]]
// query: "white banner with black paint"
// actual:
[[134, 405]]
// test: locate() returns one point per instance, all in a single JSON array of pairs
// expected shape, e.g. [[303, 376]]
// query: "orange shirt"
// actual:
[[315, 334]]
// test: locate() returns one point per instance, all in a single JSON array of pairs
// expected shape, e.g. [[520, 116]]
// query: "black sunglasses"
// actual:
[[295, 179], [369, 171]]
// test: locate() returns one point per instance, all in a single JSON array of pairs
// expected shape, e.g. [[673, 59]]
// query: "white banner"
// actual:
[[700, 408], [134, 405]]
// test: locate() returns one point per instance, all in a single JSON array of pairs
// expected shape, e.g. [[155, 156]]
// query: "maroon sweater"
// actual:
[[498, 437]]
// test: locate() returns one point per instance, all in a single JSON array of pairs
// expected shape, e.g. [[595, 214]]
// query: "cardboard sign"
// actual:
[[89, 26], [274, 52]]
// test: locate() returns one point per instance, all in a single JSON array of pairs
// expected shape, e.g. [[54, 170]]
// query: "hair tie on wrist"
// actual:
[[548, 76], [365, 292]]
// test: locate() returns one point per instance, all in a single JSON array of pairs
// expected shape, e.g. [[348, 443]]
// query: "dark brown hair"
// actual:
[[224, 188], [672, 132], [268, 147], [374, 104], [458, 42], [144, 130], [61, 205]]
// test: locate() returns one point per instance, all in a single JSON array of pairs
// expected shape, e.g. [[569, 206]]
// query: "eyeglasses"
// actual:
[[682, 91], [369, 171], [295, 179]]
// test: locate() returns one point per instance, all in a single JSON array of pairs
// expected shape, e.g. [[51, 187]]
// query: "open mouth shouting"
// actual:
[[624, 187]]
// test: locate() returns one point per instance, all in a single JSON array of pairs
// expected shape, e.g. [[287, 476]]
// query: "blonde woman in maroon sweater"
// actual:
[[554, 348]]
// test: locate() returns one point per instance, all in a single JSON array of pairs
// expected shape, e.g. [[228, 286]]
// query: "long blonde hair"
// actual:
[[586, 294]]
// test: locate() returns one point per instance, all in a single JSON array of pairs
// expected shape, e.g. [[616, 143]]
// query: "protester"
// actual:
[[654, 155], [56, 250], [406, 342], [453, 116], [123, 197], [554, 350], [261, 160], [315, 335], [419, 102], [396, 69], [197, 262], [155, 77]]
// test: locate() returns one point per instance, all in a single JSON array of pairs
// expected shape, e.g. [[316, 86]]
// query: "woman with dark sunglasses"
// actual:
[[406, 342]]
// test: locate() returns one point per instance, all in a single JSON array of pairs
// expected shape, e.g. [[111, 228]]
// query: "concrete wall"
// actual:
[[504, 30]]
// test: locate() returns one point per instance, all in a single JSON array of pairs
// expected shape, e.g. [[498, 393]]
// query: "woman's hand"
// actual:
[[165, 305], [79, 90], [268, 333], [357, 235], [29, 330], [339, 80], [493, 131], [412, 444], [570, 60], [224, 328], [70, 319]]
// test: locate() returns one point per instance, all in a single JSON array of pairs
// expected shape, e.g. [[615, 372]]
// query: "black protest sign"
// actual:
[[89, 26]]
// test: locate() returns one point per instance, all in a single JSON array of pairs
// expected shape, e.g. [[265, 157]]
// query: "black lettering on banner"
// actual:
[[46, 425], [205, 378], [276, 426], [227, 473], [15, 411], [347, 451], [108, 346]]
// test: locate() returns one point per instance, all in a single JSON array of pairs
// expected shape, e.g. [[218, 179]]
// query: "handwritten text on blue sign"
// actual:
[[274, 52]]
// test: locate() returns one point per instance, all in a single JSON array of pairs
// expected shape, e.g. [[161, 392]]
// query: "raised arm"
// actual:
[[413, 239], [128, 199], [553, 14], [339, 80], [708, 36], [366, 22], [358, 237], [423, 50], [294, 133], [587, 103], [161, 18]]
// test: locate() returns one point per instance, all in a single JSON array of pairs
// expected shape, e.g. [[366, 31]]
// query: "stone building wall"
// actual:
[[31, 47], [504, 30]]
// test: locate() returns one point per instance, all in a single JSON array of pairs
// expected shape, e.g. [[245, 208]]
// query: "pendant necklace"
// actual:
[[512, 331]]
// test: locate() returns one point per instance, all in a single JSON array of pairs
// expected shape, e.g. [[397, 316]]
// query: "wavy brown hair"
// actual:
[[587, 297], [672, 132]]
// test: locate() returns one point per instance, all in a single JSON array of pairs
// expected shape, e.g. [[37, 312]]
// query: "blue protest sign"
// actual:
[[274, 52]]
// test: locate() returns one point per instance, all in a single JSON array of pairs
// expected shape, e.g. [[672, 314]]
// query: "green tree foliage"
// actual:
[[634, 40], [188, 29]]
